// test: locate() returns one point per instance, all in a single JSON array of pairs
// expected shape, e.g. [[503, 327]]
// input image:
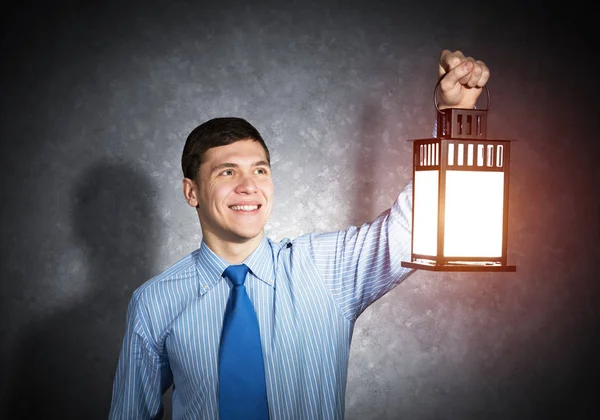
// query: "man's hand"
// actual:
[[463, 80]]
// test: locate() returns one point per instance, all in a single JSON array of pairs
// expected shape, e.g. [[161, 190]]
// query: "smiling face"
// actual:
[[232, 193]]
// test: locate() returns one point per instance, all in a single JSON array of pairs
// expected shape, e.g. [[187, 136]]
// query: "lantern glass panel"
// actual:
[[473, 214], [426, 186]]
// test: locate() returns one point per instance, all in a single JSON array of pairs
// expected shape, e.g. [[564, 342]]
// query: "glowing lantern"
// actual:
[[460, 196]]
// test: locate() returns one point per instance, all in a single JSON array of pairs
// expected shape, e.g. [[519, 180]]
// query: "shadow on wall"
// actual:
[[65, 364], [368, 142]]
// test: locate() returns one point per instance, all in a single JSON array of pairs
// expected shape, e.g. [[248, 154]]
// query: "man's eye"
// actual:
[[261, 171], [227, 172]]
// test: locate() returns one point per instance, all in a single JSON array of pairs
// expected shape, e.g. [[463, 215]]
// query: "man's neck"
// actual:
[[230, 251]]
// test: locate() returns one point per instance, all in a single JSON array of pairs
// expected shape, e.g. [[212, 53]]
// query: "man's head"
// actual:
[[227, 178], [214, 133]]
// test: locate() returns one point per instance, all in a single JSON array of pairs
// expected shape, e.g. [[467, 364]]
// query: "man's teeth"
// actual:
[[244, 208]]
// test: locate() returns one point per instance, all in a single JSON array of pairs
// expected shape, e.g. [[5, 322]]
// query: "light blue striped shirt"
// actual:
[[307, 294]]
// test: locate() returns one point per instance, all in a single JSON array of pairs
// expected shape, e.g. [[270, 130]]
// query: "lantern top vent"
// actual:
[[459, 123]]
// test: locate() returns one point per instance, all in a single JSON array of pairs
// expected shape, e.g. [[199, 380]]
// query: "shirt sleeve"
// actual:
[[142, 376], [361, 264]]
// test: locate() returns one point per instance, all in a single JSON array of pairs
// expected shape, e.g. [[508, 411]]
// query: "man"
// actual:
[[304, 295]]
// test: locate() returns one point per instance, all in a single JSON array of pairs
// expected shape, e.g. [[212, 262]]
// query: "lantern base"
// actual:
[[431, 266]]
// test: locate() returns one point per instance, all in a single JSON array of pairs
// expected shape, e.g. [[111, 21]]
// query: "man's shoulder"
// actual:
[[182, 273]]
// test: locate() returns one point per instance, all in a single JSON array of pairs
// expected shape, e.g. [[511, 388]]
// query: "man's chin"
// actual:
[[247, 236]]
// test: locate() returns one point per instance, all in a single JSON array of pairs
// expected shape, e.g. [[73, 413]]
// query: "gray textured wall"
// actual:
[[97, 101]]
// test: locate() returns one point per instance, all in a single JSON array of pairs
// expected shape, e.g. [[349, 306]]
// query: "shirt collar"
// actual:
[[210, 266], [260, 262]]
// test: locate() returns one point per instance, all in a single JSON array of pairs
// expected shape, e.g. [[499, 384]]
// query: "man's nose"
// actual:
[[247, 185]]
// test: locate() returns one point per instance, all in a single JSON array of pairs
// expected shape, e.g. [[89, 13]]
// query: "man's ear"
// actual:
[[190, 191]]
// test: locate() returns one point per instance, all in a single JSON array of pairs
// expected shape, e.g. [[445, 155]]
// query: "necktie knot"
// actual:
[[236, 274]]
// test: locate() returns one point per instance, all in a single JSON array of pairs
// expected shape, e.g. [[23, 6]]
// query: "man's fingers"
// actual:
[[461, 79], [449, 60], [469, 73], [485, 74], [475, 75], [459, 74], [478, 76]]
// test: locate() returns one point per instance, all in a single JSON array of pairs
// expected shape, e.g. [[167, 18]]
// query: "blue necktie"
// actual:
[[242, 388]]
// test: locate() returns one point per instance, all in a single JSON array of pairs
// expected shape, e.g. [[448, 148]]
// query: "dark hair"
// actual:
[[214, 133]]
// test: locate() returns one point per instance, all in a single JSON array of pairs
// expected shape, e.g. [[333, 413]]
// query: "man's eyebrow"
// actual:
[[227, 165], [223, 166]]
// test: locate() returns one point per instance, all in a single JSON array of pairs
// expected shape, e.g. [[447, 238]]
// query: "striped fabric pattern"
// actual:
[[307, 294]]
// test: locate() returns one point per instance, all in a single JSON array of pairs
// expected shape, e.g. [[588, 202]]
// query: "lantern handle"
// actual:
[[435, 101]]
